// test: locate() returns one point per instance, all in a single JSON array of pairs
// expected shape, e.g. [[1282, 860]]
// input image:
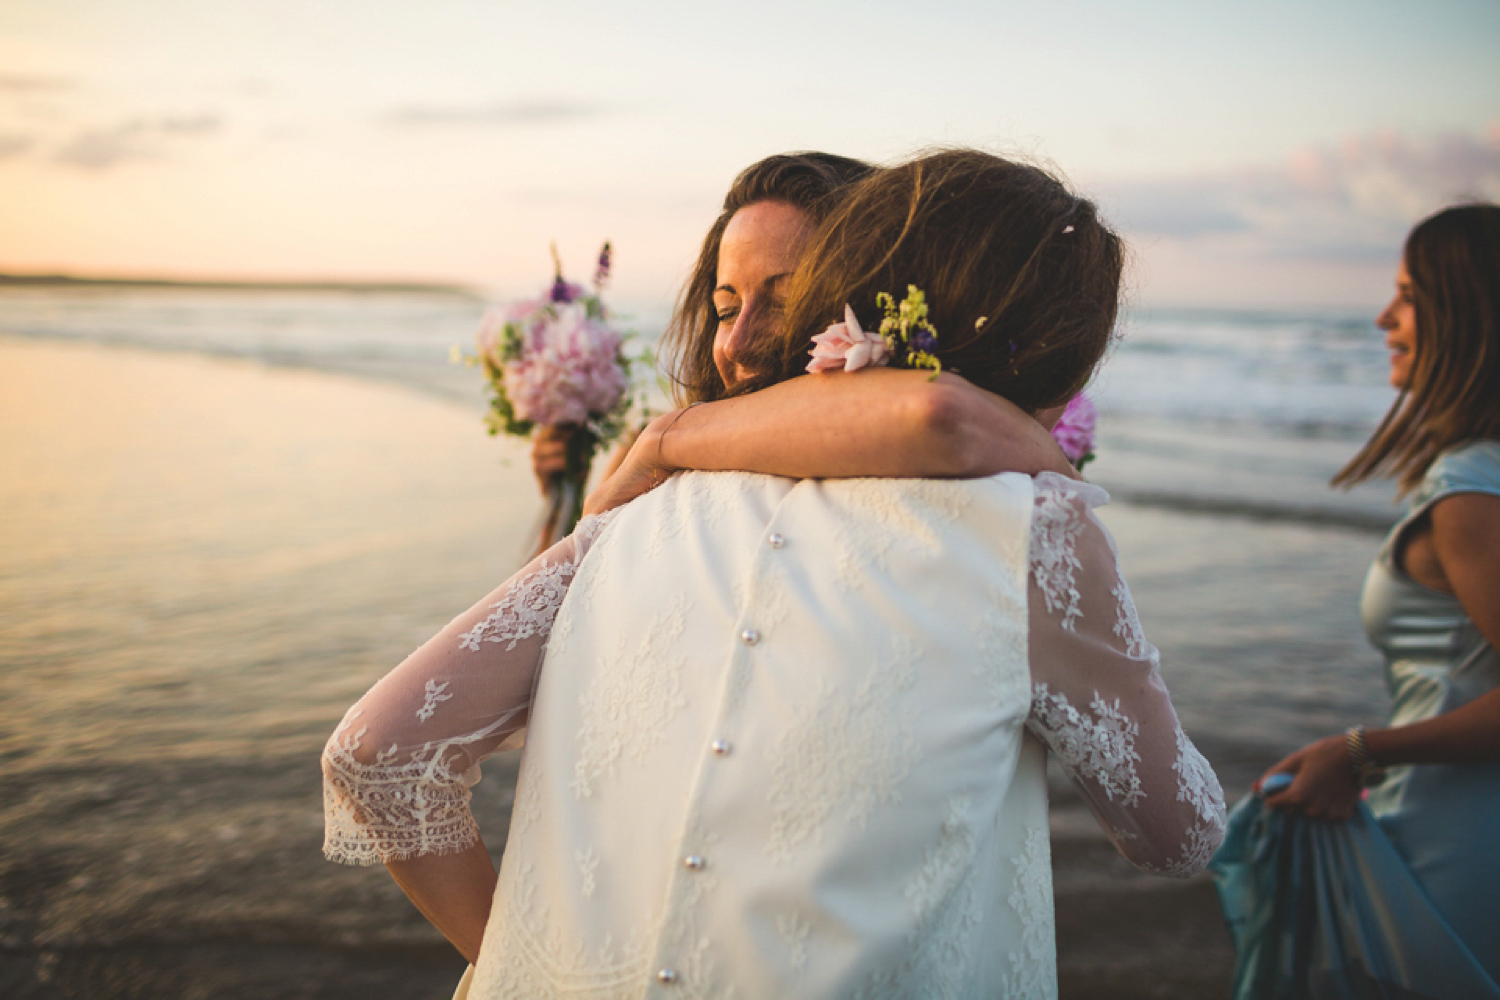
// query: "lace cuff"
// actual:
[[389, 810]]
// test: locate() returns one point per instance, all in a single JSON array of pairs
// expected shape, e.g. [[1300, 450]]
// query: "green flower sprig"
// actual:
[[908, 333]]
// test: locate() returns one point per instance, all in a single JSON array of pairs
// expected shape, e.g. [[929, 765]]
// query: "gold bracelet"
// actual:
[[1366, 772]]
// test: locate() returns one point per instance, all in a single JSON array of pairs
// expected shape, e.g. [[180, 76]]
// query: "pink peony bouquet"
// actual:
[[556, 361], [1074, 431]]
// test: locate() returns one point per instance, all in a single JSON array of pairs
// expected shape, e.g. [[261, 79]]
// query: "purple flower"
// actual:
[[564, 291], [923, 340], [1074, 431], [601, 275]]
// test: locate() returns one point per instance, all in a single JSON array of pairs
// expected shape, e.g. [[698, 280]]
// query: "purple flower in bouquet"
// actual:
[[601, 272], [1074, 431], [564, 291]]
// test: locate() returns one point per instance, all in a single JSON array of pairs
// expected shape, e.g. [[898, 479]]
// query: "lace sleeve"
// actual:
[[1098, 700], [397, 770]]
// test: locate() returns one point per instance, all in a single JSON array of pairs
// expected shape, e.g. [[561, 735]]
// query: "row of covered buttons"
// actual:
[[693, 863], [751, 636], [721, 748]]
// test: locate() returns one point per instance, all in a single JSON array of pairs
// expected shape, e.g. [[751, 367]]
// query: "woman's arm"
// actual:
[[453, 891], [1098, 701], [873, 422], [397, 770], [1465, 542]]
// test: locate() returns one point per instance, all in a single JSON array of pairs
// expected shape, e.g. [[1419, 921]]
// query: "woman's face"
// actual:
[[1399, 321], [760, 249]]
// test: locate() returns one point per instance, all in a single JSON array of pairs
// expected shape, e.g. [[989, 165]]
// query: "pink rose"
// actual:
[[847, 346]]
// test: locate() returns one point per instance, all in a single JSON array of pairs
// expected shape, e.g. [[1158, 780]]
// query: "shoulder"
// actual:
[[1472, 467], [1059, 498]]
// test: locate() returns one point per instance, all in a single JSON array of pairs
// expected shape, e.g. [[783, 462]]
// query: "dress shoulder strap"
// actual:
[[1472, 467]]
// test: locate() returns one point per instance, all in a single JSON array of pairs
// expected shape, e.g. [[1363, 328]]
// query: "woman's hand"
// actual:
[[640, 471], [549, 454], [1323, 787]]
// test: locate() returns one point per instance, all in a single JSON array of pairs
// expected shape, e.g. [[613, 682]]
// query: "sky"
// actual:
[[1266, 154]]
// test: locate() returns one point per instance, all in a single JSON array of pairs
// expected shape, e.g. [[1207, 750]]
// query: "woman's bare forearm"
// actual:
[[875, 422], [1469, 734], [453, 891]]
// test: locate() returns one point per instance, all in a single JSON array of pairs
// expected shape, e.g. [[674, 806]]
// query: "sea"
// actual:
[[225, 513]]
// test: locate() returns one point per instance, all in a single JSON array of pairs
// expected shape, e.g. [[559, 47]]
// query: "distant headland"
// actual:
[[230, 285]]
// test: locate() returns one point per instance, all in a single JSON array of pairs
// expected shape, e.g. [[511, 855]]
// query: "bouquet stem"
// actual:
[[566, 493]]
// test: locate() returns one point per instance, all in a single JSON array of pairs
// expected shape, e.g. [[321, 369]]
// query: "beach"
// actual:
[[212, 548]]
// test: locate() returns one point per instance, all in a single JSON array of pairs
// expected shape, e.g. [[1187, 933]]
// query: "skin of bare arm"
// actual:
[[873, 422], [453, 891], [1458, 554]]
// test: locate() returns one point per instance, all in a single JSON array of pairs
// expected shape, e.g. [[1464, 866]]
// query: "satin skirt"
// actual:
[[1331, 911]]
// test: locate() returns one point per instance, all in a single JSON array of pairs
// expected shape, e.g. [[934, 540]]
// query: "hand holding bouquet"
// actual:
[[555, 361]]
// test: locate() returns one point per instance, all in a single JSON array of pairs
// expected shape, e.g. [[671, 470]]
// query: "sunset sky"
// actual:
[[1256, 154]]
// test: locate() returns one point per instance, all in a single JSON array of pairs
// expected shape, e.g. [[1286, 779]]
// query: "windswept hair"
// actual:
[[1022, 278], [809, 181], [1453, 394]]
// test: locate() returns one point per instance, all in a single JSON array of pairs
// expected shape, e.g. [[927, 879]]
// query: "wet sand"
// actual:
[[206, 561]]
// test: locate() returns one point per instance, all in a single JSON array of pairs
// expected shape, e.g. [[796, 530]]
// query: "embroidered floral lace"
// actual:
[[397, 771], [1098, 701]]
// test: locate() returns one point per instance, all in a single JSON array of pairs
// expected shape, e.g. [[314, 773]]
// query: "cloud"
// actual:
[[103, 149], [193, 125], [13, 144], [504, 114], [100, 149], [24, 83], [1353, 201], [1195, 207]]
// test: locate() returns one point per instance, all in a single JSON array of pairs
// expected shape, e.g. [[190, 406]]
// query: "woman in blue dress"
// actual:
[[1376, 870]]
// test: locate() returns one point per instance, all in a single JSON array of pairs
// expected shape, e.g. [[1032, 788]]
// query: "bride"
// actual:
[[778, 747]]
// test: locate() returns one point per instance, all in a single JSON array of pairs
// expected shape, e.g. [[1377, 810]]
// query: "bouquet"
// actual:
[[1074, 430], [556, 361]]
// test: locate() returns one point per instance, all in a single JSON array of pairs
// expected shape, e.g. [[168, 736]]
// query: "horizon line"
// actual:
[[63, 280]]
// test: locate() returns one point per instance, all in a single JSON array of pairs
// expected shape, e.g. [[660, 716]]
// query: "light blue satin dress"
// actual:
[[1403, 900]]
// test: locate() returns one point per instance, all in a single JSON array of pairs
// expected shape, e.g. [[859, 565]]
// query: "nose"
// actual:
[[748, 330], [1387, 319]]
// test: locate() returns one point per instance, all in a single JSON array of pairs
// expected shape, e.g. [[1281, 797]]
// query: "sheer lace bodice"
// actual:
[[398, 768]]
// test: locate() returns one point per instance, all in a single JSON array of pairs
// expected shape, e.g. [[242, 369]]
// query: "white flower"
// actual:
[[848, 346]]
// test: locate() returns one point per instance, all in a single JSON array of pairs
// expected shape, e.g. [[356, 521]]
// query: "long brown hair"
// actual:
[[1022, 278], [1453, 394], [809, 181]]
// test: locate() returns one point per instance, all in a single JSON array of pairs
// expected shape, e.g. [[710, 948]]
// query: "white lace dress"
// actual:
[[779, 747]]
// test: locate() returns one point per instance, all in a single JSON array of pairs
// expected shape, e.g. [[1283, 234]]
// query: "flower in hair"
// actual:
[[1074, 431], [906, 338], [847, 346]]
